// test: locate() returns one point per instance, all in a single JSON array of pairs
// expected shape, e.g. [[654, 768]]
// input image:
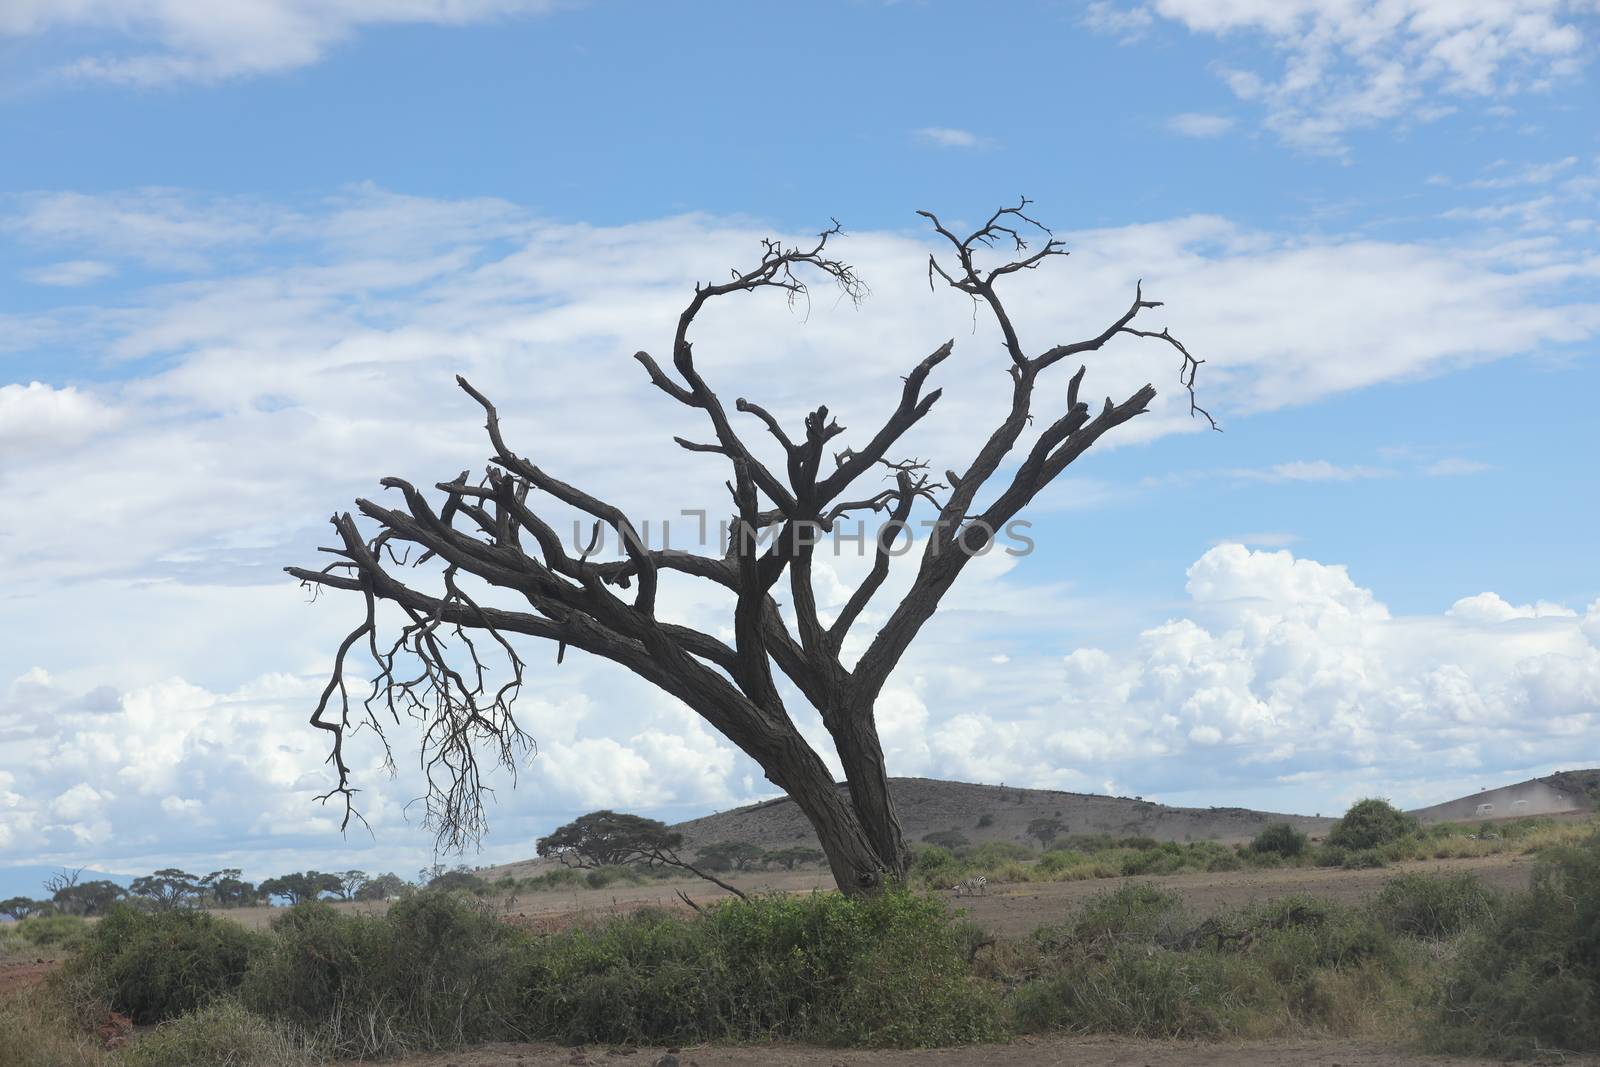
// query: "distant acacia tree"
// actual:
[[729, 856], [609, 838], [794, 856], [228, 889], [497, 535], [351, 883], [73, 897], [168, 888], [383, 887], [22, 907], [300, 887], [1045, 830]]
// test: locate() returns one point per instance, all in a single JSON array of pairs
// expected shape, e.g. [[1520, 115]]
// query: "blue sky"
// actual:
[[245, 245]]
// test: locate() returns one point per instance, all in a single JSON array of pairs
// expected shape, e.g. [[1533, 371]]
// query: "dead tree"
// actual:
[[497, 530]]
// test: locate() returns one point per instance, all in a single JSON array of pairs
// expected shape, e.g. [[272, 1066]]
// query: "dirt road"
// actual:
[[1024, 1052]]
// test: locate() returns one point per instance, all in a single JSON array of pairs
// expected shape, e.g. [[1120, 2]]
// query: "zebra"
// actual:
[[972, 886]]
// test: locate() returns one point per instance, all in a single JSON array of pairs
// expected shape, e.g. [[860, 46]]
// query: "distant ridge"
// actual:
[[1554, 794], [928, 805]]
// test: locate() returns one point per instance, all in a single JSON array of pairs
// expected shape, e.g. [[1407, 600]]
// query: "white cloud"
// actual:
[[191, 40], [1271, 539], [37, 415], [1350, 64], [1525, 174], [948, 137], [1316, 470], [1452, 467], [1192, 124], [71, 273]]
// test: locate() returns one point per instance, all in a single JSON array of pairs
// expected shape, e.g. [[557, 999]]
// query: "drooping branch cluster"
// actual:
[[493, 535]]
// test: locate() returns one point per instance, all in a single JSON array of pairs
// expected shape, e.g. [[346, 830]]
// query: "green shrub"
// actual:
[[558, 878], [1364, 859], [1226, 861], [60, 932], [1090, 843], [1279, 839], [436, 970], [1140, 912], [1145, 992], [996, 853], [887, 970], [154, 966], [1370, 823], [1057, 860], [1434, 906], [1132, 962], [223, 1032], [1531, 978], [604, 877]]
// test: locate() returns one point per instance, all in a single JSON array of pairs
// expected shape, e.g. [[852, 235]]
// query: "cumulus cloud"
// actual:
[[37, 415], [1285, 678], [189, 40], [1347, 66]]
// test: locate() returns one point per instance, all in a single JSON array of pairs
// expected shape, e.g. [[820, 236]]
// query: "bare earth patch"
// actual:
[[18, 975], [1024, 1052]]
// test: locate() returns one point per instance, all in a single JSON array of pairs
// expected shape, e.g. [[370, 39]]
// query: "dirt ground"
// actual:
[[15, 974], [1007, 910], [1024, 1052], [1015, 910]]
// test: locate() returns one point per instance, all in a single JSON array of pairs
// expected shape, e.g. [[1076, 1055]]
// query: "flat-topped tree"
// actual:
[[498, 530]]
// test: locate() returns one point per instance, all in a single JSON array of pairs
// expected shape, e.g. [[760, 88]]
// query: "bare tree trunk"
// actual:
[[853, 858], [855, 736]]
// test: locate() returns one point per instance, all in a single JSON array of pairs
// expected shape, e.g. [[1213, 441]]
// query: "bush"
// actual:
[[947, 839], [1147, 993], [558, 878], [886, 970], [61, 932], [436, 970], [1364, 859], [1279, 839], [1133, 963], [37, 1029], [605, 877], [222, 1033], [154, 966], [1140, 912], [1434, 906], [1531, 978], [1369, 824]]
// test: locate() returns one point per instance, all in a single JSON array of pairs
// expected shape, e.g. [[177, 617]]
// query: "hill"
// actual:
[[984, 813], [1553, 794], [928, 805]]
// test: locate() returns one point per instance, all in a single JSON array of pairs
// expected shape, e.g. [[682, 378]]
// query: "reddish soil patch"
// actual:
[[17, 976]]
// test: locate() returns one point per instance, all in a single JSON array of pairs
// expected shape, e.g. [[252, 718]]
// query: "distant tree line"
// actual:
[[598, 839], [171, 888]]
